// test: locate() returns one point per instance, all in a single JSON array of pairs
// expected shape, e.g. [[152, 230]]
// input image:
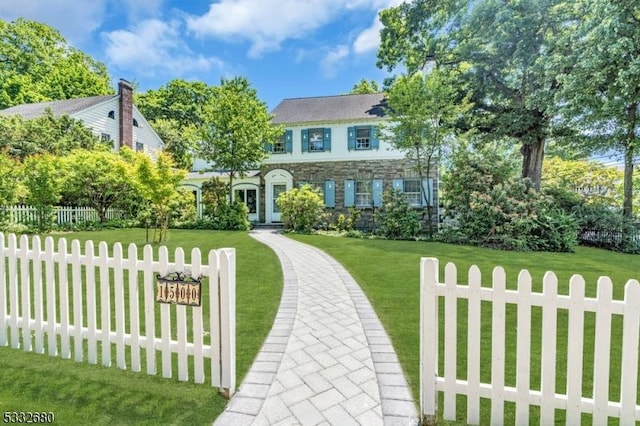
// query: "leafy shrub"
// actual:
[[348, 223], [301, 208], [396, 218], [488, 205]]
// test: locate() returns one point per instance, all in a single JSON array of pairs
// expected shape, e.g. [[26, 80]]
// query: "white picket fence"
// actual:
[[59, 299], [64, 214], [547, 397]]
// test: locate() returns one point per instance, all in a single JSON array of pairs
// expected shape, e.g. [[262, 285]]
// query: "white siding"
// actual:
[[339, 146], [96, 118]]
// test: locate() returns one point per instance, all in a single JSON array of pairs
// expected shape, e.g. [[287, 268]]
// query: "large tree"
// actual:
[[602, 93], [422, 110], [364, 87], [237, 125], [37, 64], [176, 112], [512, 52]]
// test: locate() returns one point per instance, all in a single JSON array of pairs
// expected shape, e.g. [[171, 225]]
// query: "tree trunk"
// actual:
[[629, 151], [532, 156]]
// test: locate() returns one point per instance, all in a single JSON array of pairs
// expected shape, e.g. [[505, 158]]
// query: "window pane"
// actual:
[[316, 140], [363, 192], [412, 191], [251, 200], [363, 138]]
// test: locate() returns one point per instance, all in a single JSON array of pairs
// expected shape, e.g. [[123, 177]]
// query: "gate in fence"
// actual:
[[612, 324], [65, 302]]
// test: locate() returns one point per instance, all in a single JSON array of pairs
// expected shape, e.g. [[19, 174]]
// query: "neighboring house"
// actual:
[[112, 117], [332, 143]]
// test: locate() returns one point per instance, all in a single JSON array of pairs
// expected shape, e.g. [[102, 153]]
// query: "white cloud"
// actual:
[[266, 24], [369, 39], [137, 10], [154, 46], [331, 61], [75, 20]]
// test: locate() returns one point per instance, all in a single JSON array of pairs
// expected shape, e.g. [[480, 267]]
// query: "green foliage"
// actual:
[[302, 208], [37, 65], [423, 110], [99, 179], [396, 219], [158, 184], [348, 222], [176, 113], [43, 180], [511, 56], [219, 213], [236, 126], [364, 87], [488, 205], [45, 134], [215, 192], [10, 183]]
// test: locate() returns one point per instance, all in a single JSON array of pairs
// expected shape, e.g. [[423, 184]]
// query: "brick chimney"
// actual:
[[125, 103]]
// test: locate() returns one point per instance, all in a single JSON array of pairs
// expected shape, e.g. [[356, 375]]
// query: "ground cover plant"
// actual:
[[388, 272], [79, 393]]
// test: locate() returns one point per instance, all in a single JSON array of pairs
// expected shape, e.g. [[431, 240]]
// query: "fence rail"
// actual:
[[64, 214], [72, 302], [548, 397], [613, 239]]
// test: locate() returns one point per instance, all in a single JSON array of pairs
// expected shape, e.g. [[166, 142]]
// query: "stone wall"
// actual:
[[339, 171]]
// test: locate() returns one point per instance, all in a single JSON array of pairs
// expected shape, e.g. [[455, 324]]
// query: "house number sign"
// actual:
[[178, 289]]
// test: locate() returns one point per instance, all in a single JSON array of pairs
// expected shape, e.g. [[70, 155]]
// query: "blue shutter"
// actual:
[[305, 140], [330, 193], [377, 192], [327, 139], [427, 187], [373, 133], [351, 138], [288, 141], [349, 193], [268, 147], [398, 185]]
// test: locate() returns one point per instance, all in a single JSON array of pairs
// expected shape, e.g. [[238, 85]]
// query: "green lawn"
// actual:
[[388, 272], [79, 393]]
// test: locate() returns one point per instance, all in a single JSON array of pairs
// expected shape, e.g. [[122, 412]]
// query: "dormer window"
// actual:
[[112, 115], [135, 123]]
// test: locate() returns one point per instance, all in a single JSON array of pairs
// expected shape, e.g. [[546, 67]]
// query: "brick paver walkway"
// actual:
[[327, 359]]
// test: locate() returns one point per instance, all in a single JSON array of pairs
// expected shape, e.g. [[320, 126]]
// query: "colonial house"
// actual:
[[332, 143], [113, 118]]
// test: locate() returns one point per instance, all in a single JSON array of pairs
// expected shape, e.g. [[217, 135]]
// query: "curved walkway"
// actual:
[[327, 359]]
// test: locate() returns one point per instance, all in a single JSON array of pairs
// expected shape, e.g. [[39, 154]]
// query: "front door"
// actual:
[[277, 189]]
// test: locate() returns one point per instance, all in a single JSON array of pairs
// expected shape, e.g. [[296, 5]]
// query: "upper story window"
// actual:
[[112, 114], [105, 137], [316, 140], [282, 145], [362, 138], [135, 123]]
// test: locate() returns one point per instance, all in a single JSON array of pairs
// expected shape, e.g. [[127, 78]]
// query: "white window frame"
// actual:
[[363, 143], [360, 197], [320, 147]]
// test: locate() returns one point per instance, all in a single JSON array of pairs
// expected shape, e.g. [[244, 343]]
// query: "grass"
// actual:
[[388, 272], [79, 393]]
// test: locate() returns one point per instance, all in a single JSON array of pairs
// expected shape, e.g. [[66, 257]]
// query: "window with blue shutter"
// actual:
[[327, 139], [377, 192], [351, 138], [288, 141], [349, 193], [427, 187], [330, 193], [375, 143]]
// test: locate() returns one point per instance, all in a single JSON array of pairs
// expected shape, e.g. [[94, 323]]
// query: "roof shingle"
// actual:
[[58, 108], [330, 108]]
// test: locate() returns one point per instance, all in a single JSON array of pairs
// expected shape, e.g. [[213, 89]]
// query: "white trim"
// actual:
[[275, 177]]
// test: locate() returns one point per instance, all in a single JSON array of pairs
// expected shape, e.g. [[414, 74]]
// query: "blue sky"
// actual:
[[286, 48]]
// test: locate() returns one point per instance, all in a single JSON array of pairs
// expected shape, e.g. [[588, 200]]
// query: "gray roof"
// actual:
[[67, 106], [330, 108]]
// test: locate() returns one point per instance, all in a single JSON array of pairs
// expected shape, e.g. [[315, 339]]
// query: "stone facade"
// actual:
[[339, 171]]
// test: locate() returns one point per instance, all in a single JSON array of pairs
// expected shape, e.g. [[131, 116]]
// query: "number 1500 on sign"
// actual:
[[178, 292]]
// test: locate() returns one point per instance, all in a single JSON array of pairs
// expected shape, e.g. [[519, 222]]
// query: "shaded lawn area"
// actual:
[[79, 393], [388, 272]]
